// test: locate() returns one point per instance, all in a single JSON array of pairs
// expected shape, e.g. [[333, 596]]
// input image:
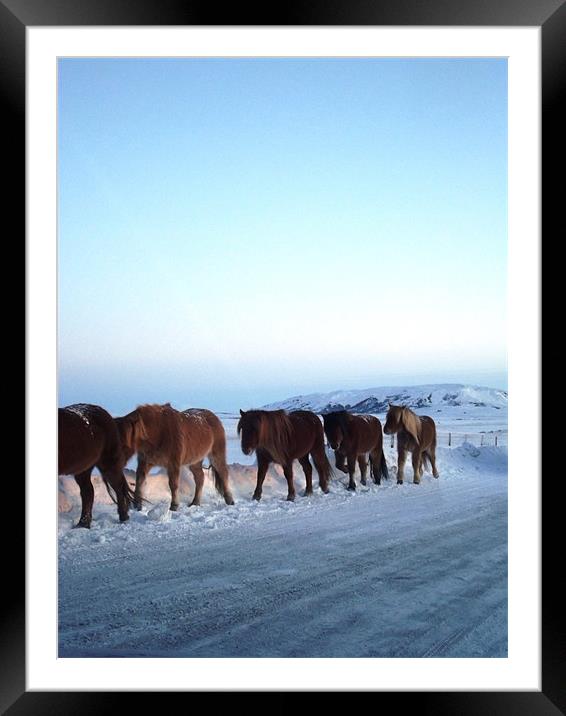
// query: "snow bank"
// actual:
[[454, 465]]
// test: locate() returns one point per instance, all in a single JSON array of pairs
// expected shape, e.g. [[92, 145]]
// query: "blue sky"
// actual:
[[233, 231]]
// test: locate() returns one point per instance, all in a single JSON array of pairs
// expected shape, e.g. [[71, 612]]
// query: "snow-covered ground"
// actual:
[[389, 571]]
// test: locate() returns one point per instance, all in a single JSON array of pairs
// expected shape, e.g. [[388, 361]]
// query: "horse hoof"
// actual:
[[256, 498], [86, 525], [193, 504], [290, 498], [352, 488], [364, 483], [125, 518], [138, 507], [230, 502], [399, 482], [325, 490], [174, 508], [307, 493]]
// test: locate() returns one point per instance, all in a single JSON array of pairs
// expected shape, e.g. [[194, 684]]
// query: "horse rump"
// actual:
[[127, 490]]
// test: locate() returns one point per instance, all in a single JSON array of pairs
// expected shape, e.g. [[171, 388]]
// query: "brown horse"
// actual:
[[415, 434], [164, 436], [277, 436], [88, 438], [351, 437]]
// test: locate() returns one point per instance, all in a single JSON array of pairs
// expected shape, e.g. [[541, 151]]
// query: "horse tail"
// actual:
[[426, 460], [330, 474], [378, 471], [324, 469], [126, 490], [218, 481], [383, 467]]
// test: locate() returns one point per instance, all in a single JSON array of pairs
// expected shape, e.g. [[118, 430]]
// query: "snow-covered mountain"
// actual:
[[376, 400]]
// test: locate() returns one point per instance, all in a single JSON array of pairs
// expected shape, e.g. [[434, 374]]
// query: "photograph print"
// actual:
[[282, 359]]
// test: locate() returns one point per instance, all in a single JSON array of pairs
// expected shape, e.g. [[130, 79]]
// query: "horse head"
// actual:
[[249, 428], [132, 431], [336, 427]]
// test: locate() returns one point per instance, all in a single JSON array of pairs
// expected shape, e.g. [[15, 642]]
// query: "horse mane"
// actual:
[[411, 423], [147, 411], [136, 426], [275, 433], [340, 418]]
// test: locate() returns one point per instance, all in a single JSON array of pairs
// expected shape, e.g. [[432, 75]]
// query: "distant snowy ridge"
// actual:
[[376, 400]]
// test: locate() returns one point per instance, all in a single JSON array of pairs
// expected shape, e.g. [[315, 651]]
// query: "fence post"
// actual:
[[496, 441], [449, 439], [465, 438], [481, 440]]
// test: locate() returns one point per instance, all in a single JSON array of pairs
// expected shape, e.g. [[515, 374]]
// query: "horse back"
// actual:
[[212, 420], [308, 432], [366, 433], [201, 430]]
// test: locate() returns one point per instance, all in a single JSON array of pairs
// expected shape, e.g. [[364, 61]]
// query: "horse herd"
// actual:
[[161, 435]]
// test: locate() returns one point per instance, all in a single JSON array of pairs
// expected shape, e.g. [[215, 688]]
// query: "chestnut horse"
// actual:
[[351, 437], [277, 436], [164, 436], [415, 434], [88, 438]]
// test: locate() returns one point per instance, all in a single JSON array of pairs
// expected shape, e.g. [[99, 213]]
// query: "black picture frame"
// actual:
[[550, 15]]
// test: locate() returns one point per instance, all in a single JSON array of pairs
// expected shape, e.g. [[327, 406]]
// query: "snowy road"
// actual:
[[390, 571]]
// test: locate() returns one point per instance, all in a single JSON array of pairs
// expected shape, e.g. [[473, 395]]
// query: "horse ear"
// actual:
[[242, 412], [410, 423]]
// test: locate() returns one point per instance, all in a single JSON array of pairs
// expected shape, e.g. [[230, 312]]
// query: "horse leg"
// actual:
[[173, 475], [340, 461], [417, 466], [288, 472], [198, 474], [363, 463], [351, 471], [87, 497], [142, 470], [220, 469], [307, 469], [262, 465], [401, 457]]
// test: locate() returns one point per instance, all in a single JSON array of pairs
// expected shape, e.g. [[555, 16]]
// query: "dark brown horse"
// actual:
[[88, 438], [277, 436], [352, 437], [415, 434], [164, 436]]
